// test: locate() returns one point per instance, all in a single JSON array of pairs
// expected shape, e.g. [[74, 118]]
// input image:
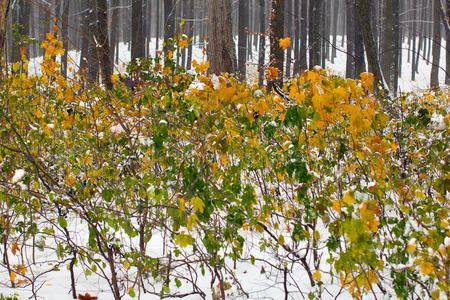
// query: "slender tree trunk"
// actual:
[[434, 82], [102, 42], [316, 39], [190, 32], [221, 49], [242, 37], [262, 41], [350, 66], [396, 45], [388, 42], [276, 33], [363, 7], [137, 41], [65, 36], [288, 32], [296, 47], [169, 28], [303, 35]]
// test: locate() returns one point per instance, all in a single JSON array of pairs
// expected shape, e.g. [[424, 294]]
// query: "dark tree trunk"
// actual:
[[434, 82], [169, 28], [190, 32], [363, 8], [296, 20], [350, 66], [242, 37], [276, 33], [221, 52], [262, 41], [65, 36], [316, 39], [396, 45], [304, 35], [137, 41], [288, 33], [102, 42], [4, 11], [447, 55], [88, 52], [388, 42], [113, 41]]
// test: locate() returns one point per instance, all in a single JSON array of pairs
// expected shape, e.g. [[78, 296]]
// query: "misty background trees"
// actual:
[[236, 31]]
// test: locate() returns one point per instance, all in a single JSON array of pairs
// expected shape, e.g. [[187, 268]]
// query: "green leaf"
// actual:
[[62, 222], [132, 293], [177, 282], [197, 204], [107, 195]]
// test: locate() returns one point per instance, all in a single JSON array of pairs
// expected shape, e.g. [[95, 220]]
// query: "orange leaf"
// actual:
[[272, 73], [285, 43]]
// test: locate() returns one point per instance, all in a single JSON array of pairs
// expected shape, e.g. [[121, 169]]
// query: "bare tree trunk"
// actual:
[[190, 32], [137, 41], [102, 42], [304, 35], [262, 41], [296, 21], [4, 11], [363, 7], [169, 28], [316, 39], [288, 32], [276, 33], [65, 36], [221, 52], [242, 37], [434, 81], [350, 66], [388, 42]]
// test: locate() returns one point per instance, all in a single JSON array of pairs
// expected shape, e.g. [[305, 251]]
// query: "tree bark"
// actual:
[[316, 39], [434, 82], [220, 49], [65, 36], [242, 37], [262, 41], [169, 20], [137, 38], [304, 35], [363, 7], [276, 33], [350, 66], [4, 11], [102, 42]]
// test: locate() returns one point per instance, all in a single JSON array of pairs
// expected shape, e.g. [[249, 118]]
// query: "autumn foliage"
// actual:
[[329, 183]]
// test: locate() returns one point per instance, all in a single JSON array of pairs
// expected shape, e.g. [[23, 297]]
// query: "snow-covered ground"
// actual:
[[421, 82], [259, 284]]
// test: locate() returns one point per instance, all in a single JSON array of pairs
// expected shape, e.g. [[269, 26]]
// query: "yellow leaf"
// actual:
[[184, 240], [285, 43], [411, 247], [316, 276], [12, 276], [16, 66], [126, 264], [191, 222], [182, 204], [70, 180], [115, 78], [349, 199], [426, 268], [197, 204], [281, 240]]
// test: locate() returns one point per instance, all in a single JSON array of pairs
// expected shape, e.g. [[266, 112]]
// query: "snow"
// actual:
[[18, 175], [258, 282]]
